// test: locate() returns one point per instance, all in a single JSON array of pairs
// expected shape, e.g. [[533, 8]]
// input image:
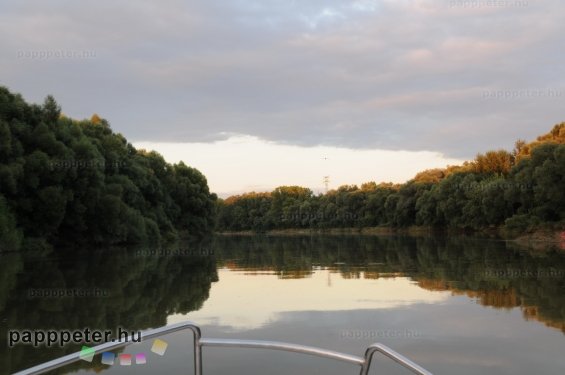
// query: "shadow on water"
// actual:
[[135, 289]]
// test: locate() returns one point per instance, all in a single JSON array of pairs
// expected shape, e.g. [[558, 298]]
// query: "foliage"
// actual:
[[79, 182], [10, 237]]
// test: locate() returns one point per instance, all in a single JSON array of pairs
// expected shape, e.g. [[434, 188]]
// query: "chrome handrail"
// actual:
[[284, 346], [199, 342]]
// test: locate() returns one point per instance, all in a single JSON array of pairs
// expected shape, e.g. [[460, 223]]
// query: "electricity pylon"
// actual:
[[326, 182]]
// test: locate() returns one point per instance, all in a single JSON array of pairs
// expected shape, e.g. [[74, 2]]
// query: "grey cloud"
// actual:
[[402, 74]]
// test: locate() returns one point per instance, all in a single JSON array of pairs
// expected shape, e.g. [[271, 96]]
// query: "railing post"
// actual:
[[367, 363], [396, 357], [197, 350]]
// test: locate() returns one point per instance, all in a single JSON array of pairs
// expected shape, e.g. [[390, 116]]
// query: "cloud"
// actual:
[[398, 75]]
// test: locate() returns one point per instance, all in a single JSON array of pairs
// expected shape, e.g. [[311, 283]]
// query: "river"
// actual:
[[455, 305]]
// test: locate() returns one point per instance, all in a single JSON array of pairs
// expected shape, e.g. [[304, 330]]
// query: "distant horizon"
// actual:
[[240, 165]]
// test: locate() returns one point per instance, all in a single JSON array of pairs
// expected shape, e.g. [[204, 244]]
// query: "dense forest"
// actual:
[[79, 182], [517, 190]]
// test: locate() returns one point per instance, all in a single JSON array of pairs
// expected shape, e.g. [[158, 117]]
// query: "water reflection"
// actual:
[[339, 277], [496, 273], [242, 303], [138, 292]]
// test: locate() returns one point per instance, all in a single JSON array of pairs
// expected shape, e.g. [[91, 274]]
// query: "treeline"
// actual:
[[79, 182], [520, 189]]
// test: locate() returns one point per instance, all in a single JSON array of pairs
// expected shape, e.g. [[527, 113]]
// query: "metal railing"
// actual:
[[200, 342]]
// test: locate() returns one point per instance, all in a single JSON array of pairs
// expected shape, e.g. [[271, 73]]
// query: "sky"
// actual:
[[381, 88]]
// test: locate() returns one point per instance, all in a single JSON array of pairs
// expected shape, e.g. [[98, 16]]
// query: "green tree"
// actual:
[[51, 110]]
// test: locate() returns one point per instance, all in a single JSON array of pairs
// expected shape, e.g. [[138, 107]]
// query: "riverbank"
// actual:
[[541, 238], [309, 231]]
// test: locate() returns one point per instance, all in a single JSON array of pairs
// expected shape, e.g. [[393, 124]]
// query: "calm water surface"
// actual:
[[454, 305]]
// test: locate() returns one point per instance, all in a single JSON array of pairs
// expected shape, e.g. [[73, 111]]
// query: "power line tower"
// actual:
[[326, 178]]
